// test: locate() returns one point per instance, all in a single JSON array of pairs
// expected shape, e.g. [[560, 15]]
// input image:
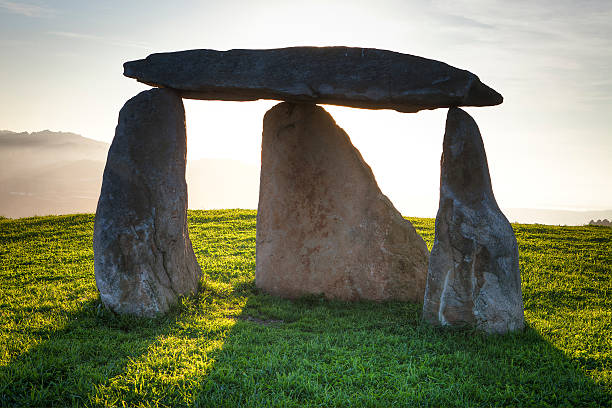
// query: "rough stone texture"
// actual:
[[143, 257], [473, 276], [323, 225], [357, 77]]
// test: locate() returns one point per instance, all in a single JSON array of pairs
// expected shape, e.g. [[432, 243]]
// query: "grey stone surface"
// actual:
[[143, 258], [357, 77], [473, 277], [323, 225]]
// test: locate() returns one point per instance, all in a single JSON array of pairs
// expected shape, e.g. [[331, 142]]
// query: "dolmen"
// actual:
[[323, 225]]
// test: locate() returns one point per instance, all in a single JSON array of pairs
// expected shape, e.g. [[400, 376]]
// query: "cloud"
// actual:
[[103, 40], [26, 9], [462, 22]]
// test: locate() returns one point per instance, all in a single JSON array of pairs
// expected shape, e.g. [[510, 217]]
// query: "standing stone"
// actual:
[[323, 225], [143, 258], [473, 276]]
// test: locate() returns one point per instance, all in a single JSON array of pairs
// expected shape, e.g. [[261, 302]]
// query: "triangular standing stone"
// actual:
[[323, 225]]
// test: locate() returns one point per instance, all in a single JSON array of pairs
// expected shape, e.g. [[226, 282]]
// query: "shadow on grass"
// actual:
[[313, 352], [263, 351], [66, 365], [233, 346]]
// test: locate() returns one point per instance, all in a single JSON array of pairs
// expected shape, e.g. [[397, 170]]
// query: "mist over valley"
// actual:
[[47, 172]]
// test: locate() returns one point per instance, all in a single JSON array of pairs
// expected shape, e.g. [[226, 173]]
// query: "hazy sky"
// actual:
[[549, 144]]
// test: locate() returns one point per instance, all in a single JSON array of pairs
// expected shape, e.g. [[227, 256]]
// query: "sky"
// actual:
[[549, 145]]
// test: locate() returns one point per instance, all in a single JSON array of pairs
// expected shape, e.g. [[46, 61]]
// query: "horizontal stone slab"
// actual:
[[357, 77]]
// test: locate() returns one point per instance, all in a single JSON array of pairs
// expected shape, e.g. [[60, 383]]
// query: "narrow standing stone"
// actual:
[[323, 225], [473, 276], [143, 258]]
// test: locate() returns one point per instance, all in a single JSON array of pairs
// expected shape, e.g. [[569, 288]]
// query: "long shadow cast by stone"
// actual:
[[325, 353], [279, 352], [318, 353], [68, 364]]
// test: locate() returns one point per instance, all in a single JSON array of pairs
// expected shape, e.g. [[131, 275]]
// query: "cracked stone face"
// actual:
[[143, 258], [323, 225], [473, 277]]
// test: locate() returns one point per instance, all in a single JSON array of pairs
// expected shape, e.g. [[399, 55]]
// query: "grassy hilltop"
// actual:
[[232, 345]]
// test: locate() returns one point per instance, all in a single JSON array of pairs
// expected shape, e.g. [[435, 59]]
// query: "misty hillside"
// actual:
[[23, 153], [49, 172], [46, 172]]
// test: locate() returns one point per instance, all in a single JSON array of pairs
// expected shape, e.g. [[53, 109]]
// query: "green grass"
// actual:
[[234, 346]]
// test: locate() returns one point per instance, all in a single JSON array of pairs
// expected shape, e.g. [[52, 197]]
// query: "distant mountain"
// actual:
[[62, 140], [49, 172], [21, 153]]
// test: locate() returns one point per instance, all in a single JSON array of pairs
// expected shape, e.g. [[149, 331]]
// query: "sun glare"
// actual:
[[402, 149]]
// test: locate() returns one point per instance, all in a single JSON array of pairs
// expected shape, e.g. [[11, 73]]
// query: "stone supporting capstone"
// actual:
[[323, 225], [473, 277], [143, 258]]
